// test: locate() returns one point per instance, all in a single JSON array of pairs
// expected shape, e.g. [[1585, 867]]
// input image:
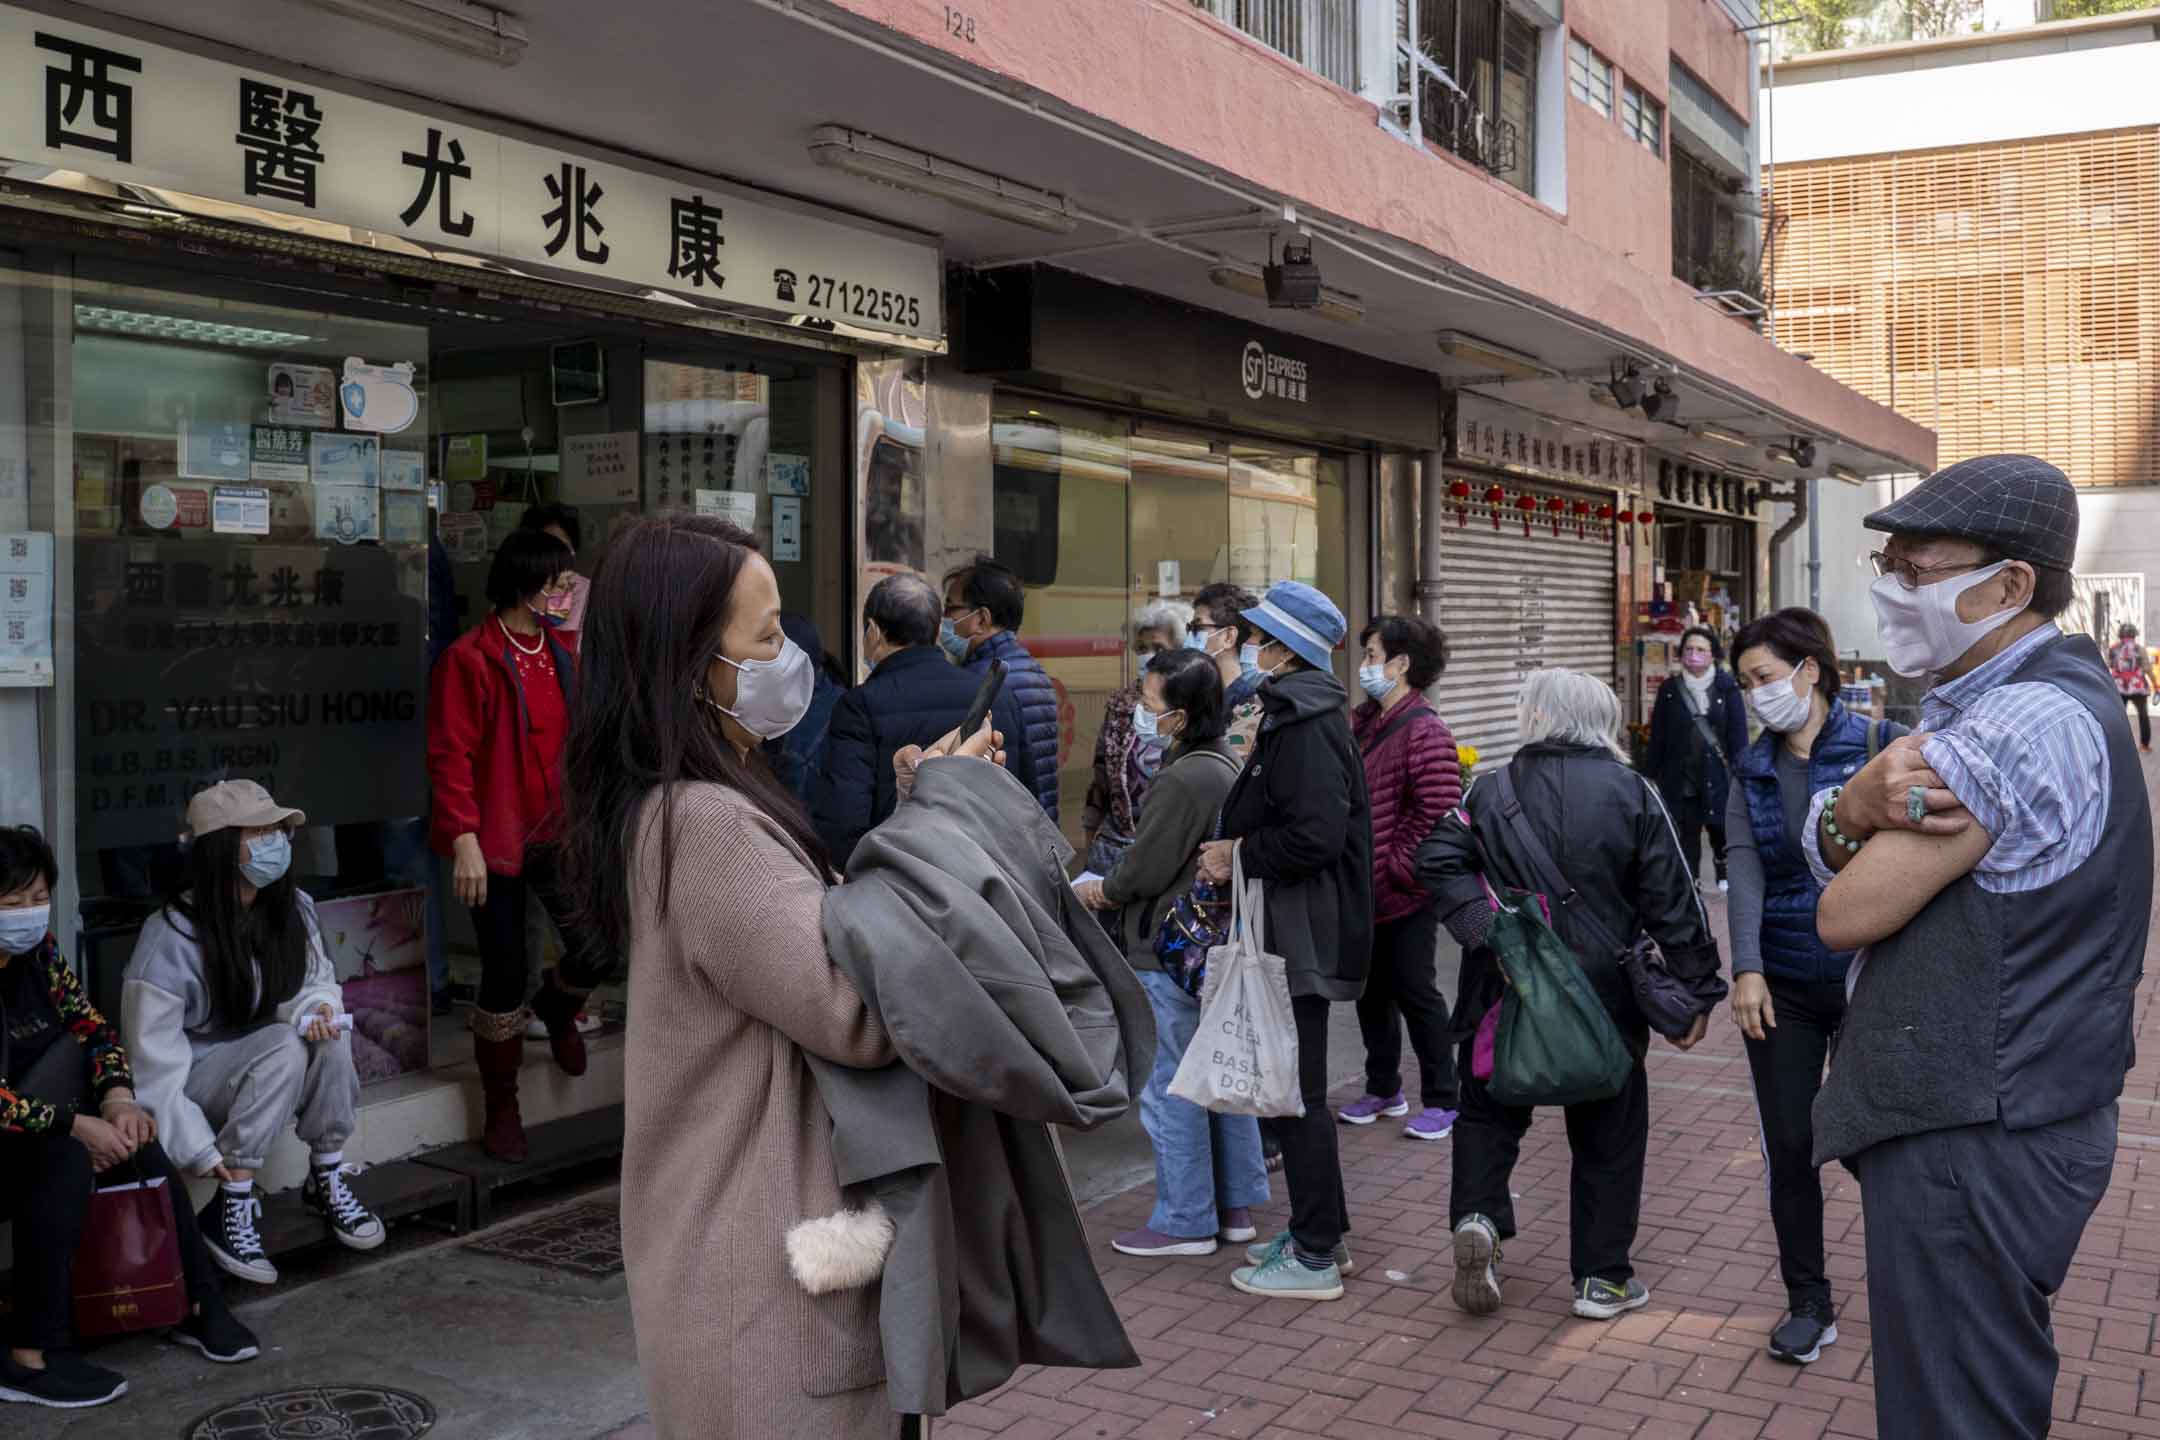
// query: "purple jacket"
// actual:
[[1414, 778]]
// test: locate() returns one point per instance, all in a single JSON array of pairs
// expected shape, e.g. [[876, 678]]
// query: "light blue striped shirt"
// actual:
[[2027, 759]]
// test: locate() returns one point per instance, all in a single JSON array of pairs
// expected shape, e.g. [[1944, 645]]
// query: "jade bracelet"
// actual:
[[1829, 820]]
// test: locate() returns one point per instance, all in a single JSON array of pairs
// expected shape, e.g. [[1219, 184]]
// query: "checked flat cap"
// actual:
[[2018, 506]]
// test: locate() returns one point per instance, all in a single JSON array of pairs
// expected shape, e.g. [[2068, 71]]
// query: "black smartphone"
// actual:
[[985, 697]]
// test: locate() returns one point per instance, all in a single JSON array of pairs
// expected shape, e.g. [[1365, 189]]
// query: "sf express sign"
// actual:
[[1267, 375]]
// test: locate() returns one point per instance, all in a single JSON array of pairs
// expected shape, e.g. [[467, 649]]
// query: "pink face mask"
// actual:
[[1695, 662]]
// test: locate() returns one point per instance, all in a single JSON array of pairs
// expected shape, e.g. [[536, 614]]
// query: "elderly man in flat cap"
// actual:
[[1998, 868]]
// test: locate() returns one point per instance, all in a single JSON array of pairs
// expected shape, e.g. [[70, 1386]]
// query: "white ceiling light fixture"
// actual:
[[1847, 474], [1471, 350], [858, 153], [1337, 305], [1720, 434], [185, 329], [462, 25]]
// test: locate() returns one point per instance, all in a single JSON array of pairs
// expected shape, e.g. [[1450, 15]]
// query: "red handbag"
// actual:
[[127, 1269]]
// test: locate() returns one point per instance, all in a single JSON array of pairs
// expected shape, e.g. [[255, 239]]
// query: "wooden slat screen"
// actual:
[[2007, 296]]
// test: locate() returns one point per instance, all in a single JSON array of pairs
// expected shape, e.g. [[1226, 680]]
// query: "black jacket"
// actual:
[[912, 698], [1607, 830], [1674, 741], [1301, 810]]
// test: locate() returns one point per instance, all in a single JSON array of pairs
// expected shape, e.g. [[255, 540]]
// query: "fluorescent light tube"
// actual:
[[857, 153], [1337, 305], [462, 25], [1472, 351]]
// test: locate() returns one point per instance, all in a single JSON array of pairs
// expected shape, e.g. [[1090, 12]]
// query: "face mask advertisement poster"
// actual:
[[303, 395]]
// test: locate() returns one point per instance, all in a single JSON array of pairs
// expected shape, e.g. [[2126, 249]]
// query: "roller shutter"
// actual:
[[1512, 604]]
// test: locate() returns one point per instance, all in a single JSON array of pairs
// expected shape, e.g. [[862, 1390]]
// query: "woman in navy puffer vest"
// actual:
[[1789, 987]]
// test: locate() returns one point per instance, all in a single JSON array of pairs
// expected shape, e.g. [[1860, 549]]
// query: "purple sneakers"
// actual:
[[1368, 1108], [1431, 1125], [1236, 1226], [1148, 1243]]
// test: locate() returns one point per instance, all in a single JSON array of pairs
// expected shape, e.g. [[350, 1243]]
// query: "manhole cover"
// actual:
[[584, 1240], [319, 1412]]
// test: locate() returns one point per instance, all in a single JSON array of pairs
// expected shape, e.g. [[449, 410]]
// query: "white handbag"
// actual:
[[1243, 1059]]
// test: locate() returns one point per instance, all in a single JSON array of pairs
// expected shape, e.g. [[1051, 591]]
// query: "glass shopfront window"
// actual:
[[1101, 515]]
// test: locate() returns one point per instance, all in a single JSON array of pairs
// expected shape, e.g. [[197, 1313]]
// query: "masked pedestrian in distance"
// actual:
[[1788, 986], [564, 599], [1128, 749], [237, 1028], [1697, 726], [985, 603], [1219, 631], [1609, 836], [1413, 777], [1301, 824], [1998, 870], [2133, 669]]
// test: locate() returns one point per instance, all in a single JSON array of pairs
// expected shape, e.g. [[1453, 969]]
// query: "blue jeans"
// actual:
[[1204, 1163]]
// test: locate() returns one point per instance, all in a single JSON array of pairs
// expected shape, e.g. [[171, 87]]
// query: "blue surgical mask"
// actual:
[[22, 931], [952, 641], [266, 858], [1373, 679], [1248, 659], [1148, 726]]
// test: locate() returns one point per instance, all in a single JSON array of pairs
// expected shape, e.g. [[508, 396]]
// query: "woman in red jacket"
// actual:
[[1413, 777], [498, 706]]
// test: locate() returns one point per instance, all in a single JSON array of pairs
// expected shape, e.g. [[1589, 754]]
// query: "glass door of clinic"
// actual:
[[1102, 515]]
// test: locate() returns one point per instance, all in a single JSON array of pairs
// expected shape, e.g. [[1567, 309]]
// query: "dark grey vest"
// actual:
[[2016, 1006]]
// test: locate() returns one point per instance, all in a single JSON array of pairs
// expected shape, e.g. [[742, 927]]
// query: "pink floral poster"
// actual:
[[379, 945]]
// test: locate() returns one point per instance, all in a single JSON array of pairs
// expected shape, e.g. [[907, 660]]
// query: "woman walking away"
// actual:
[[1610, 838], [1788, 987], [1696, 728], [69, 1122], [238, 1028], [1299, 820], [1413, 778], [689, 855], [1126, 754], [2133, 670], [498, 706], [1208, 1168]]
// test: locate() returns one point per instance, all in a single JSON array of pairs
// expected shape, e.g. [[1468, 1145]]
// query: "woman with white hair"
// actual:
[[1608, 834], [1128, 751]]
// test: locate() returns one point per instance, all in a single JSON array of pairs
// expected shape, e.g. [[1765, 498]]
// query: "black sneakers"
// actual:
[[228, 1229], [1800, 1340], [1598, 1299], [327, 1195], [217, 1333], [68, 1382]]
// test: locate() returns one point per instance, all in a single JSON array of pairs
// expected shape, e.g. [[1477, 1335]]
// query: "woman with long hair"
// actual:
[[687, 854], [498, 709], [237, 1026]]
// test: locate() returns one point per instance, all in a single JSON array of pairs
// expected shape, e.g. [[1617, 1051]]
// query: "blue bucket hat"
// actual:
[[1300, 617]]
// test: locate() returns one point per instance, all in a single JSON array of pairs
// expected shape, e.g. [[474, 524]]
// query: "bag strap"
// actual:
[[1874, 738], [1702, 726], [1404, 713], [1545, 872]]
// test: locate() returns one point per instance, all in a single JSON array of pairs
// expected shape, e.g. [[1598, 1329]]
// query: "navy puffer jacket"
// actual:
[[1029, 684]]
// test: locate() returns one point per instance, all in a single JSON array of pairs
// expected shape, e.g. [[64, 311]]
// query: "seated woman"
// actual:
[[1208, 1168], [67, 1116], [237, 1024]]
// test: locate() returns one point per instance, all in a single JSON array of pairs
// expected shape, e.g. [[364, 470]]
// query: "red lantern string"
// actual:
[[1528, 505], [1556, 507], [1460, 491], [1582, 524]]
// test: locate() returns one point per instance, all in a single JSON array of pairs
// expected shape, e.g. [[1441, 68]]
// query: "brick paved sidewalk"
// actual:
[[1395, 1358]]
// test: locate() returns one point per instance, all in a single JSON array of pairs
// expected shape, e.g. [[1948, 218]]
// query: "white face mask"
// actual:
[[771, 696], [22, 931], [1921, 631], [1779, 706]]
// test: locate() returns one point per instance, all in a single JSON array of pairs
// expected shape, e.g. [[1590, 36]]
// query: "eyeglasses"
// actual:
[[1909, 575]]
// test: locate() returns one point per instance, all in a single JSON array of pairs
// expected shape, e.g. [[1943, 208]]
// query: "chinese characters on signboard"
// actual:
[[77, 98], [1505, 438]]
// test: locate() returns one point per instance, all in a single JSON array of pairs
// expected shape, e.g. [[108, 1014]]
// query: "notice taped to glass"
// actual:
[[301, 667]]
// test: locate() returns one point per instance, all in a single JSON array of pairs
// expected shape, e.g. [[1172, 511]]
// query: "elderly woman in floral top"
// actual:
[[1126, 760], [68, 1120]]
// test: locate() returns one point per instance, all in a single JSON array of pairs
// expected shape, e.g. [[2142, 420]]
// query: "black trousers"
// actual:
[[499, 925], [1969, 1233], [1691, 817], [1608, 1139], [1319, 1210], [45, 1185], [2144, 717], [1788, 1067], [1404, 988]]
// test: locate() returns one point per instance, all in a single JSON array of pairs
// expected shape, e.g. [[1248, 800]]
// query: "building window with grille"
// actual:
[[1590, 76], [1643, 118], [1489, 117]]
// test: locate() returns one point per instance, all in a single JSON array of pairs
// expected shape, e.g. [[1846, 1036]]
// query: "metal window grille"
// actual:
[[1321, 35], [1643, 118], [1466, 81], [1590, 77]]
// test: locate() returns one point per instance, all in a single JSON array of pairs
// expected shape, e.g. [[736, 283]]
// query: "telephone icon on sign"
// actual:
[[784, 283]]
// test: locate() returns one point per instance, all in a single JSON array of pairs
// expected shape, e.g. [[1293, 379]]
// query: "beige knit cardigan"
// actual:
[[727, 1145]]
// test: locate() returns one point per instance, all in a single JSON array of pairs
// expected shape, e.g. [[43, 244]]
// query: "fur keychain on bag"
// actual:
[[843, 1251]]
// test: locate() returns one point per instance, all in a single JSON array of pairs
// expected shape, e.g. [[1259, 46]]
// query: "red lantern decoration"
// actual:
[[1459, 490], [1528, 505], [1556, 507], [1626, 517], [1582, 518]]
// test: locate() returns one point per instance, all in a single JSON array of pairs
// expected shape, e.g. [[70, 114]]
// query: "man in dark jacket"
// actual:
[[1610, 838], [984, 604], [911, 698], [1299, 820]]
